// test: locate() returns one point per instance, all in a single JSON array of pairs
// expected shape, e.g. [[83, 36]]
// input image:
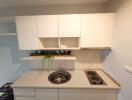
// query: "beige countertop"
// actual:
[[39, 79]]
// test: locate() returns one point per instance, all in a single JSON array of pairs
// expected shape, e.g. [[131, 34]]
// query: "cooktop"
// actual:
[[94, 78]]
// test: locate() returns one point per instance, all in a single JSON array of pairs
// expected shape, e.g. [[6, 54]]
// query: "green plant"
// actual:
[[47, 61]]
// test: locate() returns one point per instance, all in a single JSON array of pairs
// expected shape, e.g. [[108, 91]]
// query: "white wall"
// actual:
[[122, 51]]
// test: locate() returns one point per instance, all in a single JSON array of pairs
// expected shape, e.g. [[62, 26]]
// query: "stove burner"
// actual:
[[91, 73], [94, 78]]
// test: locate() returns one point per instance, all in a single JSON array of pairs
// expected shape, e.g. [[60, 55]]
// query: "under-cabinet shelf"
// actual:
[[71, 48], [54, 58], [63, 43], [7, 34], [69, 42], [97, 48], [49, 43]]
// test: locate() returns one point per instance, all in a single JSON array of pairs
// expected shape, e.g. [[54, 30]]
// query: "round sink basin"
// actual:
[[59, 77]]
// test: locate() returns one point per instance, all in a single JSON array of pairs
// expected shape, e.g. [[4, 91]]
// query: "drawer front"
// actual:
[[47, 94], [25, 98], [24, 92], [97, 94], [70, 94]]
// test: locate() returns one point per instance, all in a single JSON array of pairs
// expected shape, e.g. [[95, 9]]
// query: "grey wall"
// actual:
[[122, 50], [7, 28], [11, 67]]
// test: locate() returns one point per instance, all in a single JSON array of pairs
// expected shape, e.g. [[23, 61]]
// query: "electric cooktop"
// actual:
[[94, 78]]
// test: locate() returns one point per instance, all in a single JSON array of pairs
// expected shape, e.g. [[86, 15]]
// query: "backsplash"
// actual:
[[86, 59]]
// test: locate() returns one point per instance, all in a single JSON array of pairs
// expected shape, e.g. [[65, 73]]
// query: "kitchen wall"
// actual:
[[122, 50], [54, 9], [85, 59], [11, 67]]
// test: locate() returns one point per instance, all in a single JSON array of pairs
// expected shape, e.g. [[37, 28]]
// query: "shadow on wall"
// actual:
[[53, 9], [11, 67], [115, 5], [105, 53]]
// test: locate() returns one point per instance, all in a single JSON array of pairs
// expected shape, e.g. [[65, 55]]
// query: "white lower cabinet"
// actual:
[[111, 94], [24, 93], [28, 92], [25, 98], [70, 94], [64, 94], [46, 94], [97, 94]]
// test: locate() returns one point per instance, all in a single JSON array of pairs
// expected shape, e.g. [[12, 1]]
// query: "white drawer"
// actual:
[[24, 92], [47, 94], [24, 98]]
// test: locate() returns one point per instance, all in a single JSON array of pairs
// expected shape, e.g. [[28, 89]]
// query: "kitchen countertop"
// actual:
[[39, 79]]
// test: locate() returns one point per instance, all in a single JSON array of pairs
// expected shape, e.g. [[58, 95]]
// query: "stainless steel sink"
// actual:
[[59, 77]]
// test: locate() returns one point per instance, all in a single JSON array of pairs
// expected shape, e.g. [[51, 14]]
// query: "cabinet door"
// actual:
[[27, 32], [69, 94], [24, 92], [69, 25], [111, 95], [25, 98], [96, 30], [47, 94], [89, 94], [96, 94], [47, 26]]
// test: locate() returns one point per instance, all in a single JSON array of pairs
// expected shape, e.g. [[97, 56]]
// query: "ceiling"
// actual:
[[14, 3]]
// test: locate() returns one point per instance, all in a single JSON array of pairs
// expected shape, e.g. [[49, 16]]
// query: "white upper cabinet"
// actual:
[[65, 31], [69, 25], [47, 26], [96, 30], [27, 32]]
